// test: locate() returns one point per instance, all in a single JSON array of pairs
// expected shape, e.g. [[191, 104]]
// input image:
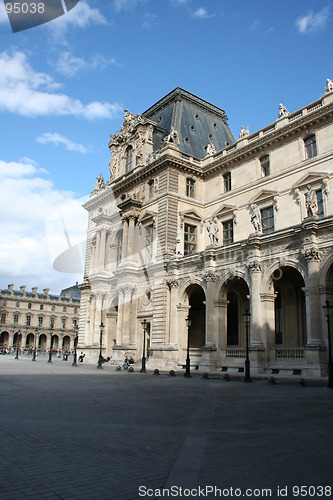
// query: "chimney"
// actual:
[[46, 291], [34, 290], [10, 288], [22, 289]]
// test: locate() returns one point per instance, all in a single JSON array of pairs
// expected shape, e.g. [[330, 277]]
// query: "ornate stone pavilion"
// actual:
[[195, 223]]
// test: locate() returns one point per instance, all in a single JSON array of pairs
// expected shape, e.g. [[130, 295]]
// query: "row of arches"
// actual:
[[43, 341], [289, 310]]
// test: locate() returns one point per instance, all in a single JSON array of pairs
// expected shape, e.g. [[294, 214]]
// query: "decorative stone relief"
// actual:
[[172, 138], [99, 184], [255, 267], [178, 245], [311, 203], [172, 283], [311, 254], [210, 276]]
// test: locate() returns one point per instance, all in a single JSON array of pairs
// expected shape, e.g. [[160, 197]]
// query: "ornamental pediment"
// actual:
[[191, 214], [311, 178], [225, 210], [262, 196], [147, 216]]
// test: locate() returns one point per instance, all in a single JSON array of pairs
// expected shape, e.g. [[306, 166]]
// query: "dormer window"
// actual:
[[129, 158]]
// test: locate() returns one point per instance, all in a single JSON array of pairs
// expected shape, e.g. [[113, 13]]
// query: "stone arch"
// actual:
[[274, 268], [227, 277], [197, 313], [30, 342], [183, 296], [287, 284], [325, 277], [66, 341], [42, 341], [235, 292], [4, 339]]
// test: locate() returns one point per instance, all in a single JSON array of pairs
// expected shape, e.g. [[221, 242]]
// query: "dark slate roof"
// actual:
[[74, 291], [197, 122]]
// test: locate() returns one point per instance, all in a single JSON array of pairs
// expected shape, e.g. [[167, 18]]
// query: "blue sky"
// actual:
[[64, 86]]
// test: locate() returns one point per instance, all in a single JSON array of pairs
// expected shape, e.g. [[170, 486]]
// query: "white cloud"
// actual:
[[81, 16], [56, 139], [201, 13], [69, 65], [149, 21], [3, 14], [29, 201], [29, 93], [312, 23]]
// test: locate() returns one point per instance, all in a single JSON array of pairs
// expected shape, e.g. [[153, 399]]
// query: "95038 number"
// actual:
[[25, 8], [312, 491]]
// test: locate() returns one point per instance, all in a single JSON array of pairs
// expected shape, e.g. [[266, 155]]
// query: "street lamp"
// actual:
[[50, 353], [143, 364], [328, 312], [17, 345], [247, 317], [75, 345], [100, 357], [35, 345], [188, 361]]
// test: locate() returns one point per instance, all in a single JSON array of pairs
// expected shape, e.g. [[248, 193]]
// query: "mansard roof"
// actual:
[[197, 123]]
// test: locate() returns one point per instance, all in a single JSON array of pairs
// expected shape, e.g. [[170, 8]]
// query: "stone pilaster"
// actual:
[[173, 287], [312, 300], [211, 316]]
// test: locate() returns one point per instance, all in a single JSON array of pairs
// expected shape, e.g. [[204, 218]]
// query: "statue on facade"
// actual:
[[213, 230], [178, 246], [172, 138], [311, 203], [243, 133], [283, 111], [256, 218], [329, 86], [211, 150], [100, 183]]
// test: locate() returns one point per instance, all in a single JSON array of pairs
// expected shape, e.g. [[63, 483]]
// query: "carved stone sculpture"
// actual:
[[256, 218], [211, 149], [329, 86], [100, 183], [311, 202], [213, 230], [283, 111], [244, 133]]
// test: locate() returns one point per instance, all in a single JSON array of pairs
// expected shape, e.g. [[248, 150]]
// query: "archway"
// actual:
[[17, 339], [42, 341], [197, 314], [30, 340], [55, 342], [289, 308], [236, 292], [66, 343], [4, 339]]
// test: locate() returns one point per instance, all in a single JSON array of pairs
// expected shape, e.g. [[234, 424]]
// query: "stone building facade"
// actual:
[[193, 223], [26, 317]]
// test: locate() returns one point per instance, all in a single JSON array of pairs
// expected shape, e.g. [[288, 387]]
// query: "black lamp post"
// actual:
[[17, 345], [100, 357], [35, 346], [247, 317], [50, 352], [328, 312], [75, 346], [188, 361], [143, 363]]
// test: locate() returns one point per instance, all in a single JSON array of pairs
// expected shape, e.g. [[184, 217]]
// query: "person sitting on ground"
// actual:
[[131, 360]]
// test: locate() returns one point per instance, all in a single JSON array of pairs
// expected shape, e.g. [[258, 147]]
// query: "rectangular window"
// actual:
[[74, 323], [64, 309], [190, 187], [3, 318], [320, 204], [267, 220], [15, 321], [41, 307], [63, 323], [28, 321], [227, 182], [40, 321], [228, 232], [149, 243], [151, 186], [310, 146], [51, 322], [189, 239], [119, 246], [265, 167]]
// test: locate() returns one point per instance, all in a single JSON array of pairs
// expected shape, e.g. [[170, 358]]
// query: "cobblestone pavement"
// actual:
[[81, 433]]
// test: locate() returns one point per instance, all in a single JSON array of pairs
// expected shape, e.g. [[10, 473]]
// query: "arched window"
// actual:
[[129, 158]]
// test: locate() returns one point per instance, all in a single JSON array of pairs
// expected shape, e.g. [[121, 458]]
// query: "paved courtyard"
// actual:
[[81, 433]]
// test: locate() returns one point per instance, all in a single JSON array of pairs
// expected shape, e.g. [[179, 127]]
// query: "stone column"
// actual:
[[98, 316], [130, 244], [268, 315], [312, 300], [256, 340], [127, 314], [173, 287], [125, 238], [102, 249], [96, 255], [211, 318], [119, 337], [182, 313]]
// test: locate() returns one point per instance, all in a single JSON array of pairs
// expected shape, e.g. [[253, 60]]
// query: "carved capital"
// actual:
[[255, 267], [172, 283], [210, 276]]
